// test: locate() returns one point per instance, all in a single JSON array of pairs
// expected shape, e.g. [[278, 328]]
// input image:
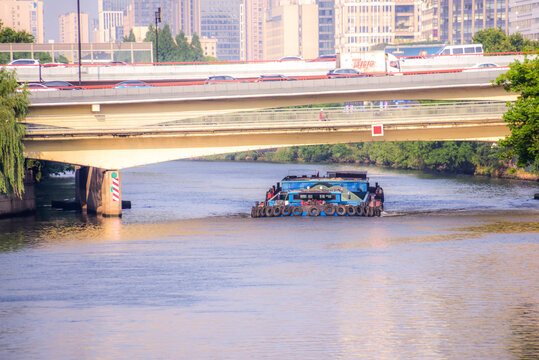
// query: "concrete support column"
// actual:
[[98, 191]]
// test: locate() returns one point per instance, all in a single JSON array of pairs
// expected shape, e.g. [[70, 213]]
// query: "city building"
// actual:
[[23, 15], [111, 20], [291, 29], [326, 27], [189, 16], [254, 22], [459, 20], [68, 26], [429, 21], [209, 46], [407, 21], [224, 20], [141, 13], [361, 25], [524, 18]]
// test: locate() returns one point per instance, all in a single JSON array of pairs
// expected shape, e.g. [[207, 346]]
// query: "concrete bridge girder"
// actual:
[[118, 152]]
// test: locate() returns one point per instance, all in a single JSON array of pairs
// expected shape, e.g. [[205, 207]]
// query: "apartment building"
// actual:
[[360, 25], [68, 28], [524, 18], [291, 29], [23, 15]]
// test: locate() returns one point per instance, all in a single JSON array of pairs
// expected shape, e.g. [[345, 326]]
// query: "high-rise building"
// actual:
[[254, 32], [143, 13], [407, 20], [291, 29], [111, 20], [68, 26], [361, 25], [326, 27], [459, 20], [224, 20], [524, 18], [429, 21], [189, 16], [23, 15]]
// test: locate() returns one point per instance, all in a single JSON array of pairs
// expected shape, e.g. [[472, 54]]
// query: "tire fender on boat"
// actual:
[[341, 210], [314, 211], [287, 210], [350, 210], [277, 211], [297, 211], [269, 211], [329, 209]]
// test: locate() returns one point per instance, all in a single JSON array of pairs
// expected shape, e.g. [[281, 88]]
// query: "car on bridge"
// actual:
[[482, 67], [272, 77], [219, 78], [61, 85], [24, 62], [32, 87], [331, 57], [132, 84], [344, 73]]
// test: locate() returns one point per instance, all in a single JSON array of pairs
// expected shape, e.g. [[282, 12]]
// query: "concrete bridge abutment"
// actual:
[[98, 191]]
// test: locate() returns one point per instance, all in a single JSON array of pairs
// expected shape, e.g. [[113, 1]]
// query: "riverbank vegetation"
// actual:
[[474, 158], [522, 118], [13, 109]]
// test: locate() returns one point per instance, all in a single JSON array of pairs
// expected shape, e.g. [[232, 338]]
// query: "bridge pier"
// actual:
[[98, 191]]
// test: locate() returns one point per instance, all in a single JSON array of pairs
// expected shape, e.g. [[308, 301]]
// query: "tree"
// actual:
[[196, 49], [168, 51], [8, 35], [13, 109], [522, 117], [184, 48], [495, 40], [130, 37]]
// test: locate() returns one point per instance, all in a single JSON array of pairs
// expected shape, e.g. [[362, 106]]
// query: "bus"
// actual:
[[469, 49]]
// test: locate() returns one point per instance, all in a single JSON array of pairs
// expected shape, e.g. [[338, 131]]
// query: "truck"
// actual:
[[376, 62]]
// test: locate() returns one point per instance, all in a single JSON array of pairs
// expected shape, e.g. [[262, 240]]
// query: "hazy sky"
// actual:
[[54, 8]]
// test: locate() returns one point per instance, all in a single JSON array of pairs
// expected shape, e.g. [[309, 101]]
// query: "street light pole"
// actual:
[[157, 20], [78, 25]]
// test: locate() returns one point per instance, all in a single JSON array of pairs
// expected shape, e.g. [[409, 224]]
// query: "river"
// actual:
[[450, 271]]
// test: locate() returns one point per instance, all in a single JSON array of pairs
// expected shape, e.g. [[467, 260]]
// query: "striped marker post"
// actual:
[[115, 188]]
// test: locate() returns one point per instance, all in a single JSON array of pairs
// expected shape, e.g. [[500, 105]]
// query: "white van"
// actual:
[[470, 49]]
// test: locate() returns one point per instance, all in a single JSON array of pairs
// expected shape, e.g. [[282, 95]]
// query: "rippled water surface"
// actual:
[[449, 272]]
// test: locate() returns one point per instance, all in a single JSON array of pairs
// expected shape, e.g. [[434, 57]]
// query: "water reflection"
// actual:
[[169, 281]]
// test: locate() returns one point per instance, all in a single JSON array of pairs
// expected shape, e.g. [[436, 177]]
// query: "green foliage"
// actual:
[[178, 49], [43, 57], [44, 169], [8, 35], [495, 40], [450, 156], [130, 37], [61, 59], [522, 118], [13, 108]]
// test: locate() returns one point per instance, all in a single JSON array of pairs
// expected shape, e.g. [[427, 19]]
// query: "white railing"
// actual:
[[293, 118]]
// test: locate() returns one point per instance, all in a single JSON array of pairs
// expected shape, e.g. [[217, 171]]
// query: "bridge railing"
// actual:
[[353, 114], [348, 115]]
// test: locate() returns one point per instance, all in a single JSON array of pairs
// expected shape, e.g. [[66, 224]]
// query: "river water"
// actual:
[[450, 271]]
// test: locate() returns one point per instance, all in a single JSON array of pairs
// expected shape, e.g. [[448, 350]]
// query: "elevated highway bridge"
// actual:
[[120, 128]]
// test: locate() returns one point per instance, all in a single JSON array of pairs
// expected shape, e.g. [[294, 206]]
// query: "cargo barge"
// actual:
[[337, 193]]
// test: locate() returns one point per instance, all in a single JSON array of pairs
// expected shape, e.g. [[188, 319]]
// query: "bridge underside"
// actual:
[[135, 149]]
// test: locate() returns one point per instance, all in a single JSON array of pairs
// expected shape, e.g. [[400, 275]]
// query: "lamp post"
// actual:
[[157, 20], [78, 25]]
